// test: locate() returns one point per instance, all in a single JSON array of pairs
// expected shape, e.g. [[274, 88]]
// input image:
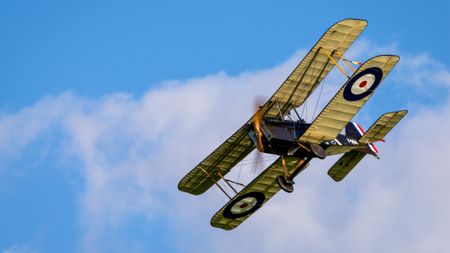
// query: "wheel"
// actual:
[[318, 151], [285, 185]]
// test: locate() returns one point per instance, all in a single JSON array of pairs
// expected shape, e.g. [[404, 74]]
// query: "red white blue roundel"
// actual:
[[244, 205], [363, 84]]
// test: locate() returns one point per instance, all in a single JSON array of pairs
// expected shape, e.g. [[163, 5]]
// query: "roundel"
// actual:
[[244, 205], [363, 84]]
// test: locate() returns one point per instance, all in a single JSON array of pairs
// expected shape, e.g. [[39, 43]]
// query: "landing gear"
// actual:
[[317, 151], [285, 184], [286, 181]]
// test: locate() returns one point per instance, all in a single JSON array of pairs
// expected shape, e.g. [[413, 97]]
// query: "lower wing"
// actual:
[[253, 196], [218, 163]]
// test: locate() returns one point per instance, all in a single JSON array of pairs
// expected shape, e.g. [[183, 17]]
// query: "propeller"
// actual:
[[256, 120]]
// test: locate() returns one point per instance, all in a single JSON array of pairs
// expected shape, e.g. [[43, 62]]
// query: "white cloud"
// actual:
[[423, 71], [364, 49], [133, 151]]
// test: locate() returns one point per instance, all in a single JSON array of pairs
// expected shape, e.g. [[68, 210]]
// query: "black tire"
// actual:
[[317, 151], [284, 184]]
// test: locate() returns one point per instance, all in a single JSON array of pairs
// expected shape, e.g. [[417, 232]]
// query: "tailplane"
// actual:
[[376, 132], [345, 164], [382, 126]]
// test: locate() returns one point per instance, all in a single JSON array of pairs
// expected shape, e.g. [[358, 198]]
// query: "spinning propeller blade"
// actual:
[[257, 117]]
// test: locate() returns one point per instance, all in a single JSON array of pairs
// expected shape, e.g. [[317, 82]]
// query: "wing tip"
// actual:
[[392, 57], [216, 224], [362, 22], [333, 176], [194, 191], [402, 113]]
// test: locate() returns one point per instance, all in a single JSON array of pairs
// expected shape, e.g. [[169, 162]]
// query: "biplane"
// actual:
[[296, 142]]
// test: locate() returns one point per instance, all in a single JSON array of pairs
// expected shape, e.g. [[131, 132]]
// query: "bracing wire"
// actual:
[[216, 191], [251, 161], [318, 98], [303, 110], [240, 170]]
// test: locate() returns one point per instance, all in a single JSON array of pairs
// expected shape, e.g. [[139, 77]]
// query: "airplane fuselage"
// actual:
[[281, 137]]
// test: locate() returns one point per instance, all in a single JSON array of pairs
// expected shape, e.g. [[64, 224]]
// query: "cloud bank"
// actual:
[[132, 150]]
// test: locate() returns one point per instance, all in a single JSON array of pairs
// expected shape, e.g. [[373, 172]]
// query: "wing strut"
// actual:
[[227, 182], [215, 182], [346, 61], [279, 109], [301, 79], [286, 107], [315, 81], [335, 63]]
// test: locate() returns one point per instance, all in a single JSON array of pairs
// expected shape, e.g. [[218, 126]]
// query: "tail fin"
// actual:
[[355, 131]]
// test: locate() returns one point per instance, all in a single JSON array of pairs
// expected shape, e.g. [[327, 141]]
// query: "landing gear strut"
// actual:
[[286, 181]]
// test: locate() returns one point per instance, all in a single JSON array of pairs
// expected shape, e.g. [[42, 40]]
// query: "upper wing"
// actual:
[[253, 196], [218, 163], [382, 126], [314, 67], [349, 99]]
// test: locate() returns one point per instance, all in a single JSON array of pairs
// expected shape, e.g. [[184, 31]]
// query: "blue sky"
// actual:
[[97, 47], [106, 104]]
